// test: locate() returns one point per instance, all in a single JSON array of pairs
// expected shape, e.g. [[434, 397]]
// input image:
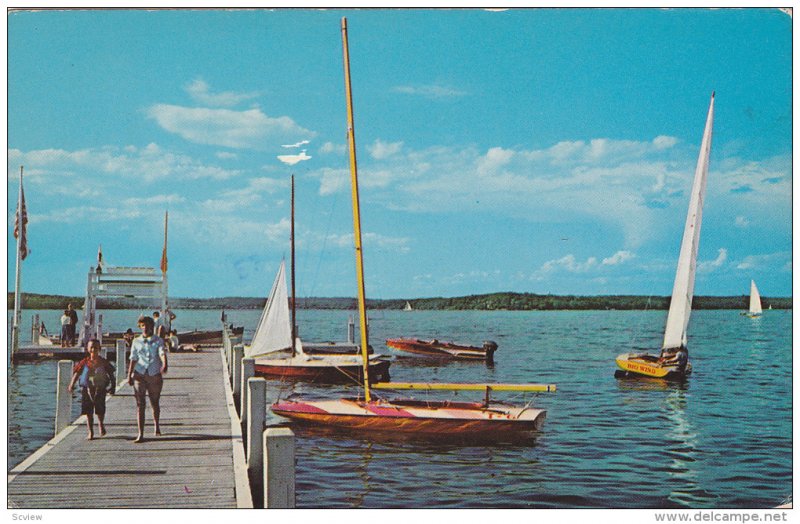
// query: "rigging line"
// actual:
[[324, 243]]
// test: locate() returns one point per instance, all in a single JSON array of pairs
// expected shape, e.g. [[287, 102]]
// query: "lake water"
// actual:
[[721, 440]]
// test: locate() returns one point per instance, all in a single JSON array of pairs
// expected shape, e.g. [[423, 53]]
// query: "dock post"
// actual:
[[122, 369], [279, 466], [256, 416], [100, 329], [351, 330], [233, 341], [35, 330], [236, 375], [248, 372], [63, 397]]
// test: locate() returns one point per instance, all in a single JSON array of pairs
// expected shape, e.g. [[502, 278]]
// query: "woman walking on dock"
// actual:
[[148, 362], [95, 376]]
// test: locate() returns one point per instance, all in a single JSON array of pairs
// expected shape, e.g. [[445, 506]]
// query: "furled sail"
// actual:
[[274, 331], [755, 299], [683, 290]]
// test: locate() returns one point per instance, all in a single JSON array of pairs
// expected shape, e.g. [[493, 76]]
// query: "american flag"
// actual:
[[21, 225]]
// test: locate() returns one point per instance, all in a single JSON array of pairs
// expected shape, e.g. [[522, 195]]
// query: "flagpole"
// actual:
[[18, 280], [164, 283]]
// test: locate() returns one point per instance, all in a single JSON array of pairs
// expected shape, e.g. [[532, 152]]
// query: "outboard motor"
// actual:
[[490, 347]]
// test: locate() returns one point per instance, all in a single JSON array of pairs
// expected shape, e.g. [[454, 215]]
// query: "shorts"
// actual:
[[93, 403], [149, 385]]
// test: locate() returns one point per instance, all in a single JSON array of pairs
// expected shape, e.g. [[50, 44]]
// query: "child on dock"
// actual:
[[95, 376]]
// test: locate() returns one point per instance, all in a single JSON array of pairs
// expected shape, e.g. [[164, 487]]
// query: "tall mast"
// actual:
[[164, 283], [351, 140], [294, 322], [18, 277]]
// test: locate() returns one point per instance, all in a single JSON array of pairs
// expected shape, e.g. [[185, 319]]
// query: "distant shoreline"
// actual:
[[505, 301]]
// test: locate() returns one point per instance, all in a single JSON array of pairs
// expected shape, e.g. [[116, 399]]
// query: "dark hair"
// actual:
[[129, 332], [148, 322], [93, 342], [156, 314]]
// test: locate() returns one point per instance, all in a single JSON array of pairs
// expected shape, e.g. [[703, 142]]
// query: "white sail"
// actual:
[[755, 299], [274, 330], [408, 306], [683, 290]]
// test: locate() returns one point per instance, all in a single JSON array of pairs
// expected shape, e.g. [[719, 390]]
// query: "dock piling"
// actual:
[[122, 371], [248, 372], [63, 397], [256, 416], [236, 375], [279, 466]]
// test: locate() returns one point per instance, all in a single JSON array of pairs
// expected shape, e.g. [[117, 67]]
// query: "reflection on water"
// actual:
[[722, 438]]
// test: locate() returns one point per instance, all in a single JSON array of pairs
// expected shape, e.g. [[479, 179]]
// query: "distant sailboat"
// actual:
[[408, 307], [673, 361], [755, 302], [486, 419]]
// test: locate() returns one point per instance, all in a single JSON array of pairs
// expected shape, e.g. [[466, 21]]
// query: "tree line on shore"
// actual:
[[490, 302]]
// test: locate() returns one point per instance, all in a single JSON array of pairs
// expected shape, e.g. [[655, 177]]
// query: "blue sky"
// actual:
[[532, 150]]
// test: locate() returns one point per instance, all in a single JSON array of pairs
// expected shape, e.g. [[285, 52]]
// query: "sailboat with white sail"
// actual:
[[408, 307], [673, 362], [755, 302], [278, 351], [408, 416]]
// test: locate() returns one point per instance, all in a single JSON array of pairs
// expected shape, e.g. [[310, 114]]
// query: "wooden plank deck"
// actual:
[[197, 462]]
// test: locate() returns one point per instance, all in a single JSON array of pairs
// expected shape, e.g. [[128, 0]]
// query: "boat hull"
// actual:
[[647, 365], [415, 417], [433, 348], [330, 374]]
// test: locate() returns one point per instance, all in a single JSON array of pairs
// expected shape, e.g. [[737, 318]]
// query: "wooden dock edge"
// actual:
[[39, 453], [244, 498]]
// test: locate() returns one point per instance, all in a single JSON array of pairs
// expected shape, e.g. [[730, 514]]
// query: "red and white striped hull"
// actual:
[[463, 419]]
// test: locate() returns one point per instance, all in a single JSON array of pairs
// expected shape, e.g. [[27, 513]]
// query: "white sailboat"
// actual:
[[673, 361], [755, 302], [278, 351], [408, 307]]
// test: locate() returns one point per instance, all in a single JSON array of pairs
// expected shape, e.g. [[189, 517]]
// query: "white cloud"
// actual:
[[711, 265], [381, 150], [200, 92], [493, 160], [296, 144], [225, 127], [294, 159], [429, 91], [150, 163], [619, 257], [398, 244], [777, 260], [226, 155], [330, 147], [742, 221], [568, 263]]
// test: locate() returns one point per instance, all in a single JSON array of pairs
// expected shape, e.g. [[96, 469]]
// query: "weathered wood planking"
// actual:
[[191, 465]]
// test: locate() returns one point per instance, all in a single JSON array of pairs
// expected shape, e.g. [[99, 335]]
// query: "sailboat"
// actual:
[[755, 302], [408, 416], [408, 307], [278, 351], [673, 361]]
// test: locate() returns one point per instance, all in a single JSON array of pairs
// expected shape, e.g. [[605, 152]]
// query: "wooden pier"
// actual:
[[197, 462]]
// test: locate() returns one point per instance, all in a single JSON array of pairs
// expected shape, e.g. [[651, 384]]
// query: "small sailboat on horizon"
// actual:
[[425, 418], [754, 310], [408, 307], [673, 362]]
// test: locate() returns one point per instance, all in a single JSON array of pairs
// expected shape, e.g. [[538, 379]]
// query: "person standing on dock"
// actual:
[[66, 337], [95, 376], [73, 316], [147, 364]]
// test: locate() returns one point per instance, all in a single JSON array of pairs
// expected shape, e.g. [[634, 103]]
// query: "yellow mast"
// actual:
[[351, 140]]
